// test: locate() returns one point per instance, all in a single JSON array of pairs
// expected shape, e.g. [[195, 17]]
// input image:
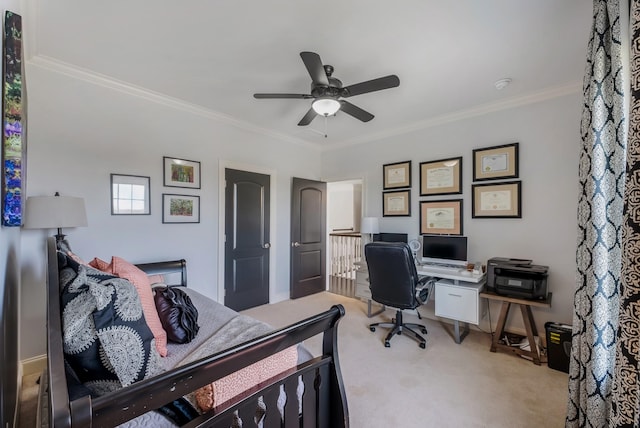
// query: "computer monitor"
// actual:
[[444, 249], [390, 237]]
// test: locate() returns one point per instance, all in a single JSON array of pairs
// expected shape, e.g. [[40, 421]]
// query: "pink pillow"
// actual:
[[140, 280], [155, 279], [101, 265], [222, 390]]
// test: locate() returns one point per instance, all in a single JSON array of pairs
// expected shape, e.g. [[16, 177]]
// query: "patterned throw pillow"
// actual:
[[140, 280], [106, 339]]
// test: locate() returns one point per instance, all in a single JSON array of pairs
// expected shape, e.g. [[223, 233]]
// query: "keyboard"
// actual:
[[442, 269]]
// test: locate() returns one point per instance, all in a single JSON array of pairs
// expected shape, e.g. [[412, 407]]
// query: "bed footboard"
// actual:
[[323, 402]]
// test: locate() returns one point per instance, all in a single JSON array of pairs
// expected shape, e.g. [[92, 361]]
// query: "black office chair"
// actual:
[[394, 282]]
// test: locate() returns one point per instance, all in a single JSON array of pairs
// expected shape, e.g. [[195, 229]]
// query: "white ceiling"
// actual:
[[216, 53]]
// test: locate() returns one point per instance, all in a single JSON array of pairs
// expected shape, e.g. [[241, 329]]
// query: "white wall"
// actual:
[[80, 132], [548, 133], [340, 206]]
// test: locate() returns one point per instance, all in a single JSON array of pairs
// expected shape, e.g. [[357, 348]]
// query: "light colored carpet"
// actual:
[[444, 385], [29, 401]]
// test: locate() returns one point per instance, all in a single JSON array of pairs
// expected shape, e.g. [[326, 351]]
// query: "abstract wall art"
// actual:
[[14, 142]]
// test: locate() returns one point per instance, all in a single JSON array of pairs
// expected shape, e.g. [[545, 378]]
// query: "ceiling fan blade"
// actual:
[[314, 66], [299, 96], [311, 114], [379, 84], [355, 111]]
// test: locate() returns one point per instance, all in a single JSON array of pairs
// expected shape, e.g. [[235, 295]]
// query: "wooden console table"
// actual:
[[527, 317]]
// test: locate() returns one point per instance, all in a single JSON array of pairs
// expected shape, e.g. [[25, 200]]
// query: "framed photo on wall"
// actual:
[[497, 162], [180, 208], [497, 200], [441, 177], [181, 173], [441, 217], [130, 195], [397, 175], [396, 204]]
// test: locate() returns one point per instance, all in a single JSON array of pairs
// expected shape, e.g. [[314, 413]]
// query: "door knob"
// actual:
[[266, 245], [295, 244]]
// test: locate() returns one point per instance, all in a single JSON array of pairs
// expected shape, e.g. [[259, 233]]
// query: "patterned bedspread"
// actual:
[[220, 328]]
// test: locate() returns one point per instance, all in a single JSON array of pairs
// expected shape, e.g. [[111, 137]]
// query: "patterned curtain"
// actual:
[[600, 217], [625, 407]]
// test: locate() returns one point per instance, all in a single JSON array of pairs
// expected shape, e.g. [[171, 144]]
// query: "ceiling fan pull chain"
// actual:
[[325, 127]]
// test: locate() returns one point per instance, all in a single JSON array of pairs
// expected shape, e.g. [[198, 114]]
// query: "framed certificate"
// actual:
[[441, 217], [397, 175], [499, 200], [396, 204], [495, 162], [441, 177]]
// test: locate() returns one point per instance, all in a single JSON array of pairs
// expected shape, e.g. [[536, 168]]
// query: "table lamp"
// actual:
[[369, 226], [55, 212]]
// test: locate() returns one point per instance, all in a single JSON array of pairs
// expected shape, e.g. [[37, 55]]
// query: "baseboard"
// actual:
[[16, 410], [33, 365], [25, 368]]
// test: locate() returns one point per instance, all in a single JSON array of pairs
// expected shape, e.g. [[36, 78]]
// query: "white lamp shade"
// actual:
[[326, 106], [50, 212], [369, 225]]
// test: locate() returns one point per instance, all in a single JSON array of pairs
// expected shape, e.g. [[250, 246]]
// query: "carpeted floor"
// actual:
[[444, 385]]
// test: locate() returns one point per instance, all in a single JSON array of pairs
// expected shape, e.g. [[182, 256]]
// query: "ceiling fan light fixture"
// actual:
[[326, 106]]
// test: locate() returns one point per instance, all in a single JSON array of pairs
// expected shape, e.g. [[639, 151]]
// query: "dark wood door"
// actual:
[[308, 232], [247, 244]]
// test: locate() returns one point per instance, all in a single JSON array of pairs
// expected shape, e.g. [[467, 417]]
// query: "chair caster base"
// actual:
[[387, 344], [424, 331], [422, 345], [372, 328]]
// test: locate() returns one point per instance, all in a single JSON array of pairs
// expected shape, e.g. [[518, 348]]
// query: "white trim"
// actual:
[[33, 365], [89, 76], [27, 367], [222, 165], [95, 78], [531, 98]]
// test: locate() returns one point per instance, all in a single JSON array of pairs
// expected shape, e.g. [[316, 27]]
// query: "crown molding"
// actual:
[[531, 98], [89, 76], [92, 77]]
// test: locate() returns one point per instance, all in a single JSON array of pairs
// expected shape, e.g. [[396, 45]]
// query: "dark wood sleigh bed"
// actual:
[[323, 403]]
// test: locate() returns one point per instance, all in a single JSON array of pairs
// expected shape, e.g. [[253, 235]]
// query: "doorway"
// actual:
[[344, 213]]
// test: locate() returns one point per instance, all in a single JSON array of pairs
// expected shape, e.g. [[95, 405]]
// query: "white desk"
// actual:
[[457, 297]]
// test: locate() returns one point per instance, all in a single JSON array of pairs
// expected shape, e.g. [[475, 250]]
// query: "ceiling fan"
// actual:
[[327, 91]]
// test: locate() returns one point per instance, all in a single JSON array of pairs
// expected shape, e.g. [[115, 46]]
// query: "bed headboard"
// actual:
[[166, 268]]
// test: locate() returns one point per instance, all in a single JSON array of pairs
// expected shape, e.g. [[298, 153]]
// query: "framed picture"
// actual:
[[441, 177], [180, 208], [396, 203], [495, 162], [397, 175], [499, 200], [441, 217], [181, 173], [130, 195]]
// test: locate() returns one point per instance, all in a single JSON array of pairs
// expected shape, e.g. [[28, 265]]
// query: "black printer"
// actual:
[[517, 278]]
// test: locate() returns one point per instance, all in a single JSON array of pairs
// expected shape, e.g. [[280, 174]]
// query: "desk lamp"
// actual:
[[55, 212]]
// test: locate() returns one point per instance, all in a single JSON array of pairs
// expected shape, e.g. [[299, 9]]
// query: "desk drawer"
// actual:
[[457, 303]]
